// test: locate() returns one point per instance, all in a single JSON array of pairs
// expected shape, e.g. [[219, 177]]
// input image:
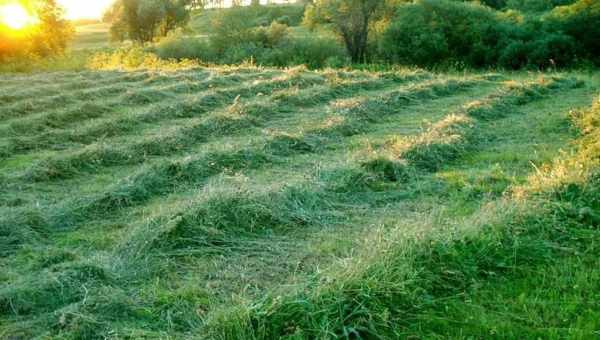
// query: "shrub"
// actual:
[[410, 40], [429, 32], [237, 26], [580, 21], [536, 5], [264, 45], [232, 27], [136, 59], [497, 4], [142, 21], [315, 52], [242, 52], [271, 36], [285, 20], [177, 46], [49, 37], [552, 49]]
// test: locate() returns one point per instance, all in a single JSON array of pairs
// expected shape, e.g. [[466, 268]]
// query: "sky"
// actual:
[[85, 9]]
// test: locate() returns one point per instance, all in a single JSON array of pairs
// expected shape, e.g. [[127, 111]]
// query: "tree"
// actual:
[[53, 32], [144, 20], [351, 19], [49, 36]]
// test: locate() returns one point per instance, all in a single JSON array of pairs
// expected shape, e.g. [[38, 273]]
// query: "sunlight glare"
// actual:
[[15, 16], [79, 9]]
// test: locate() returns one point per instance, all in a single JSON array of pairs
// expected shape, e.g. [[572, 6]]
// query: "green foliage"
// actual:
[[496, 4], [352, 20], [47, 38], [144, 20], [152, 199], [529, 6], [579, 21], [179, 46], [315, 52], [264, 15], [431, 32], [237, 37], [236, 41]]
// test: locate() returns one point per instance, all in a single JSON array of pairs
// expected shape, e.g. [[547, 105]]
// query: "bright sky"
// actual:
[[85, 9]]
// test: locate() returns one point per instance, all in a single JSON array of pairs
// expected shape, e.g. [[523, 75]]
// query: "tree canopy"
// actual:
[[351, 20], [144, 20], [49, 35]]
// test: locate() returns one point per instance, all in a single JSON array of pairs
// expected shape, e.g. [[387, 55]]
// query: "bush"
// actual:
[[536, 5], [137, 59], [177, 46], [285, 20], [258, 34], [314, 52], [430, 32], [290, 15], [552, 49], [237, 27], [232, 27], [581, 21], [410, 40], [47, 38], [270, 46]]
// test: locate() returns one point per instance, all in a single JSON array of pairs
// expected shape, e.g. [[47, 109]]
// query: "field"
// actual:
[[91, 36], [249, 202]]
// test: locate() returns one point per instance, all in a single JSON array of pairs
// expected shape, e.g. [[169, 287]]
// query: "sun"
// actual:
[[15, 16]]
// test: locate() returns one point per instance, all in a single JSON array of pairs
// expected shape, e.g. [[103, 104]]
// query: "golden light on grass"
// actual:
[[16, 16]]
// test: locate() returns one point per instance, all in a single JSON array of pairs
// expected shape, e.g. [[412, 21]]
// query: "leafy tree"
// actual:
[[49, 36], [351, 19], [144, 20], [53, 32]]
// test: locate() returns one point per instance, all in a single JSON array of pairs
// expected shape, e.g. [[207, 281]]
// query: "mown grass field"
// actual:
[[91, 36], [247, 202]]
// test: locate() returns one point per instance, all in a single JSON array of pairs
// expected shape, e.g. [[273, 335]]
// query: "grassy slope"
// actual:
[[200, 190], [91, 36]]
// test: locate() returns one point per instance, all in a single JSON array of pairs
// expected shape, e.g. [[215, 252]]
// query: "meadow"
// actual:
[[242, 202]]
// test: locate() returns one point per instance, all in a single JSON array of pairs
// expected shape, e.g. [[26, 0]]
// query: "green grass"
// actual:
[[91, 37], [243, 202]]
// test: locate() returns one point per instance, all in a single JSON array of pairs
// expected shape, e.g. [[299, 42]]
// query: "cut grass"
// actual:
[[270, 222], [417, 286], [236, 117], [164, 178], [150, 182], [457, 134]]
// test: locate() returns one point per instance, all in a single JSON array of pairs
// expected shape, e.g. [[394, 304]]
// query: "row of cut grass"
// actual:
[[63, 117], [401, 286], [151, 105], [458, 133], [237, 118], [168, 176]]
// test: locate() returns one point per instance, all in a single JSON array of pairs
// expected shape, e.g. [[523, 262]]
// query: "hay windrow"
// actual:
[[248, 202]]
